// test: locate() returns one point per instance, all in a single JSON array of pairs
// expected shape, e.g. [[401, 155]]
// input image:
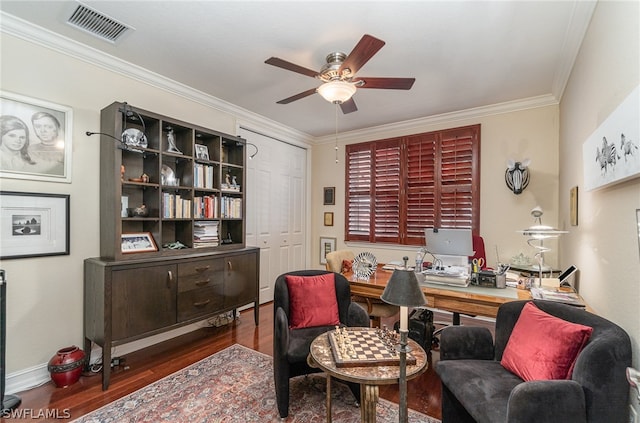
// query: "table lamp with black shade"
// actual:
[[403, 290]]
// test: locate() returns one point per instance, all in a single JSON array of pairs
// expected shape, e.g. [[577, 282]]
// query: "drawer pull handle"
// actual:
[[201, 303], [169, 279], [203, 283], [202, 269], [229, 265]]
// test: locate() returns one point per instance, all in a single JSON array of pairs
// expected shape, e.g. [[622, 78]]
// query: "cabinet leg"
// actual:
[[106, 366], [256, 313], [87, 353]]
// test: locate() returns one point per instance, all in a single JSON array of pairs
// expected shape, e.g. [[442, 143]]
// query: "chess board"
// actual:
[[358, 347]]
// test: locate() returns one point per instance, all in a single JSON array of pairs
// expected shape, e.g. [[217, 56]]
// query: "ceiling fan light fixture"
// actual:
[[337, 92]]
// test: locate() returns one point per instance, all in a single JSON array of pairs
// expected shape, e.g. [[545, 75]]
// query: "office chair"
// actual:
[[376, 308]]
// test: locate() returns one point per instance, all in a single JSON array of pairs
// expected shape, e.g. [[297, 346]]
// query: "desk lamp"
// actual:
[[403, 290], [538, 233]]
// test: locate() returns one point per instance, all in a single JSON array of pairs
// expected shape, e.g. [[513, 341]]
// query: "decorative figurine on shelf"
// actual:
[[171, 140], [122, 172], [234, 183], [227, 181], [145, 178], [228, 239]]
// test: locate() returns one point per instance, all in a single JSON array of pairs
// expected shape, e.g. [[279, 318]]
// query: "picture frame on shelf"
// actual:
[[202, 152], [328, 218], [138, 242], [327, 245], [329, 197], [33, 224], [43, 144]]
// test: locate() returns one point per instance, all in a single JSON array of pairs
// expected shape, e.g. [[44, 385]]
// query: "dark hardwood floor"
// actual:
[[153, 363]]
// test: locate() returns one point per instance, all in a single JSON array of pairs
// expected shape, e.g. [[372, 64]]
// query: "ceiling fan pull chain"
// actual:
[[336, 147]]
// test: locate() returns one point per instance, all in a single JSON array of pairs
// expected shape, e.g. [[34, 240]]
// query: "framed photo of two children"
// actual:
[[35, 139]]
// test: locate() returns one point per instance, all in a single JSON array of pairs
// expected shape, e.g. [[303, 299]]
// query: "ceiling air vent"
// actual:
[[97, 24]]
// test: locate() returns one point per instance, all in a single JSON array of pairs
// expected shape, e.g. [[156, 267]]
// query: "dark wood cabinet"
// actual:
[[129, 300], [143, 299], [190, 181]]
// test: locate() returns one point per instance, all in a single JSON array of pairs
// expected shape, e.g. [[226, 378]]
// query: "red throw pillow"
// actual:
[[312, 301], [542, 346]]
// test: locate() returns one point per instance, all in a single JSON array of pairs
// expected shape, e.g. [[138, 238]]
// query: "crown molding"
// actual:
[[27, 31], [580, 20], [413, 126]]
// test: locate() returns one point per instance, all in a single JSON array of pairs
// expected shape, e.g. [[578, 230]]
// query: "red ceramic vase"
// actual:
[[66, 366]]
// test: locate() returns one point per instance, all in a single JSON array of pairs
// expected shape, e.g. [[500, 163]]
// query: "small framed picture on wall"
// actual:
[[328, 218], [327, 245], [329, 196]]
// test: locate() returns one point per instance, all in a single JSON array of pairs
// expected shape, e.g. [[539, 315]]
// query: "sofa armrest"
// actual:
[[547, 401], [466, 342], [280, 334], [357, 316]]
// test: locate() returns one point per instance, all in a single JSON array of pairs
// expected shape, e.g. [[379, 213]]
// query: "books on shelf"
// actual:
[[231, 208], [206, 207], [175, 207], [205, 234], [560, 295], [203, 176]]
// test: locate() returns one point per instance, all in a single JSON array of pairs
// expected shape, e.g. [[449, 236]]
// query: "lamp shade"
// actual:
[[403, 290], [336, 91]]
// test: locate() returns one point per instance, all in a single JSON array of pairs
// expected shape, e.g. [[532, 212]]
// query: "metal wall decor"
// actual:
[[517, 175]]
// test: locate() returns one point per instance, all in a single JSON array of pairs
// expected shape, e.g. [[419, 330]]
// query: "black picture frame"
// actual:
[[33, 224], [329, 196]]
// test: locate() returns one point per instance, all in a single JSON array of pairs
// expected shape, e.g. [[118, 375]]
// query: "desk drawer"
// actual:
[[200, 274], [199, 302]]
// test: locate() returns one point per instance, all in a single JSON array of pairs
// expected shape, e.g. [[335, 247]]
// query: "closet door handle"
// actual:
[[229, 265]]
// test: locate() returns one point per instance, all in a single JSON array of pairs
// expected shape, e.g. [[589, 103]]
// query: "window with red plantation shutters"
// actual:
[[397, 187]]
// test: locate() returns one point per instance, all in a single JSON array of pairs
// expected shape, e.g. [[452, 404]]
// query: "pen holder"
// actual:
[[501, 280]]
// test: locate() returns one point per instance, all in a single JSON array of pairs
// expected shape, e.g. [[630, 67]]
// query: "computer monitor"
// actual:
[[451, 242]]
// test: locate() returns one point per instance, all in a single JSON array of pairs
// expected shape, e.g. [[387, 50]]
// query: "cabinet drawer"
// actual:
[[200, 274], [199, 302]]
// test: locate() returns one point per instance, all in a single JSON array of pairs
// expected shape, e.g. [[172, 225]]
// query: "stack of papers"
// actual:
[[566, 297]]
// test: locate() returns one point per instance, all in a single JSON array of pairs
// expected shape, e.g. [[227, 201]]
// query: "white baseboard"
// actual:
[[32, 377]]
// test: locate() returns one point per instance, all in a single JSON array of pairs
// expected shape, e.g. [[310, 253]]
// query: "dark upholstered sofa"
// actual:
[[291, 346], [477, 388]]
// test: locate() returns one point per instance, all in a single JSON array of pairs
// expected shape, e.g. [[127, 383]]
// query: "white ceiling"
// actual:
[[463, 54]]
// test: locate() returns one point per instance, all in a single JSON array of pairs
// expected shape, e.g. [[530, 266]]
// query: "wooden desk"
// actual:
[[472, 300]]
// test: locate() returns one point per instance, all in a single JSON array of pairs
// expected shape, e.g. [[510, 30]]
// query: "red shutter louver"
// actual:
[[397, 187], [358, 195], [386, 220]]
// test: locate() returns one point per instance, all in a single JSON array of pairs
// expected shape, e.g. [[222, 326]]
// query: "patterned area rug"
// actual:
[[236, 385]]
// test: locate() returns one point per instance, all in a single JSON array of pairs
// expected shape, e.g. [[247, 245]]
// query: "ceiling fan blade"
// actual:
[[348, 106], [385, 83], [361, 53], [297, 96], [274, 61]]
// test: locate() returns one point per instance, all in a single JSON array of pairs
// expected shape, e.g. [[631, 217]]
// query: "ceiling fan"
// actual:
[[338, 75]]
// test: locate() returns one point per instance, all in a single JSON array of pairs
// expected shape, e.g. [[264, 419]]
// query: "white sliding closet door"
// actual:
[[276, 215]]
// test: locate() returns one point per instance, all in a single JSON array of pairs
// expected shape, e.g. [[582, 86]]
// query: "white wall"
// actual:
[[44, 298], [604, 245], [518, 134]]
